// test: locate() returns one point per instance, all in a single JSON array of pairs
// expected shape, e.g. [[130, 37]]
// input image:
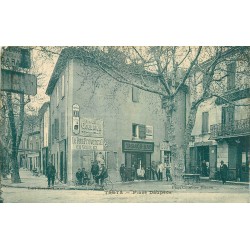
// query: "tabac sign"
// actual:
[[87, 143]]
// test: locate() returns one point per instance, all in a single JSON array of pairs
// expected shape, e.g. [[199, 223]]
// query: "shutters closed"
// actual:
[[56, 129], [231, 70], [135, 94], [205, 122], [142, 131]]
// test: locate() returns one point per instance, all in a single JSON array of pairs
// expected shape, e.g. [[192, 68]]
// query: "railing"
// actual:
[[238, 127]]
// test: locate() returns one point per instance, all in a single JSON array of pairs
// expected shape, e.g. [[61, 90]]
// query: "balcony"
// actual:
[[238, 128]]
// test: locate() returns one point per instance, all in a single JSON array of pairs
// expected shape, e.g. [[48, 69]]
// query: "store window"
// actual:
[[166, 157]]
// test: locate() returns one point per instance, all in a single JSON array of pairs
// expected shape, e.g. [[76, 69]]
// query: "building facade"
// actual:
[[222, 127], [93, 116], [44, 118]]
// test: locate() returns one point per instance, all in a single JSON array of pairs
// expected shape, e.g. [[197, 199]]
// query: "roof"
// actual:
[[91, 56], [43, 109]]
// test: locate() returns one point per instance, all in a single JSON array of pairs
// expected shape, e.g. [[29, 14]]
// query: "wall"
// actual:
[[99, 96]]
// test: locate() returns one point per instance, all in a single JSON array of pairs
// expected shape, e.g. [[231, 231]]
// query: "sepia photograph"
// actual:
[[126, 124]]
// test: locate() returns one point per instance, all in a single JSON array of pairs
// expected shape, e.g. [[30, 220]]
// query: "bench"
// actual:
[[191, 177]]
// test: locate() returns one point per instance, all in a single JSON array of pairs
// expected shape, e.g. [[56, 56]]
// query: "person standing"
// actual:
[[223, 172], [122, 172], [79, 176], [51, 173], [168, 173], [204, 168], [160, 171], [95, 170]]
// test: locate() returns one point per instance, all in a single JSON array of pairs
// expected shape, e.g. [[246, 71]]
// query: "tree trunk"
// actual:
[[178, 149], [15, 137], [15, 177]]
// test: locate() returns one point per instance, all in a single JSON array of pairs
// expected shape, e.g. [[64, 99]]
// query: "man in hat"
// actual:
[[223, 172], [51, 173]]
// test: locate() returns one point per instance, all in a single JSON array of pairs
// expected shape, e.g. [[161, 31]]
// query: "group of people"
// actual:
[[99, 171], [153, 172], [158, 170], [81, 176]]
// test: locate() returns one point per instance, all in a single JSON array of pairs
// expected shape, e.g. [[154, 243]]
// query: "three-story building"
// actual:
[[92, 115]]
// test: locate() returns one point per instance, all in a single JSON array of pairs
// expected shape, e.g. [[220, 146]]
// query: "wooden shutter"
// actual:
[[205, 122], [53, 133], [142, 131], [135, 94], [231, 70], [56, 129], [62, 124]]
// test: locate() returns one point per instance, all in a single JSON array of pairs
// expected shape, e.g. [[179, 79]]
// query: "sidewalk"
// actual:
[[30, 181], [34, 182]]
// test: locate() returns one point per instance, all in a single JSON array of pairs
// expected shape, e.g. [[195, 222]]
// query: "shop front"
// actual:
[[137, 159]]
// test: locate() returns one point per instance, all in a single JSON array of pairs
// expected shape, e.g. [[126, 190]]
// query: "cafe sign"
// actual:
[[136, 146], [91, 127], [16, 57], [87, 143]]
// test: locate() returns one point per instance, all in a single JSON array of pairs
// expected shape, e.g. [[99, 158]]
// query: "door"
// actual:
[[61, 166], [227, 120]]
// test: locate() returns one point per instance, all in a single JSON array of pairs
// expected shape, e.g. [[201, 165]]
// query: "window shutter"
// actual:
[[231, 70], [204, 122], [53, 133], [62, 124], [135, 94], [142, 131], [56, 129]]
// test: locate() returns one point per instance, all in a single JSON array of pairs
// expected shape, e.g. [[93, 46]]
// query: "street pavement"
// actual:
[[34, 189]]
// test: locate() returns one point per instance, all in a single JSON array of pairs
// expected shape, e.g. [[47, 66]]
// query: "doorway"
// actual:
[[135, 161], [61, 166]]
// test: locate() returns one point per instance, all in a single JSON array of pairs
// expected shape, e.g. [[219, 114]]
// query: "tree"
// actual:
[[12, 117], [167, 72]]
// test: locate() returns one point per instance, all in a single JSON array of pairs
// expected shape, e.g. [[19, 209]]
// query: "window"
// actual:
[[135, 130], [62, 124], [53, 133], [231, 70], [139, 131], [135, 94], [205, 116], [56, 129], [57, 96], [63, 86]]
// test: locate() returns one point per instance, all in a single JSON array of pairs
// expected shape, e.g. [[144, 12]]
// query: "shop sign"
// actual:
[[91, 127], [18, 82], [16, 57], [87, 143], [134, 146]]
